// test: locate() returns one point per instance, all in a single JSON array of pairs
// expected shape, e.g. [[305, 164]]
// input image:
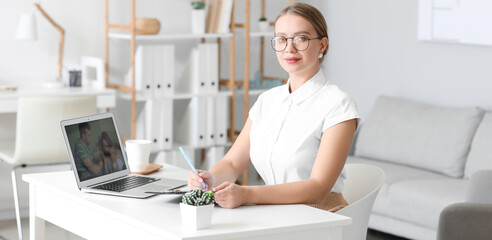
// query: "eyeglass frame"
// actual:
[[293, 44]]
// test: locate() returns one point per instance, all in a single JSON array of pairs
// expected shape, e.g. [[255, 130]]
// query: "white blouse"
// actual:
[[287, 128]]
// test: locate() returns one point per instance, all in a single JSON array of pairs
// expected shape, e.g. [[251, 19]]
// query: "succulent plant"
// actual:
[[198, 197], [198, 5]]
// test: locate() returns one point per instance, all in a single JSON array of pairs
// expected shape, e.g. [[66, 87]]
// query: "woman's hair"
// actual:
[[312, 15], [105, 136]]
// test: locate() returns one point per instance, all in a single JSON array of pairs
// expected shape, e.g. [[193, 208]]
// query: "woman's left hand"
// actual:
[[230, 195]]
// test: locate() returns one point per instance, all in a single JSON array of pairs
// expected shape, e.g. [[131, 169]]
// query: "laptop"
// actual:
[[99, 161]]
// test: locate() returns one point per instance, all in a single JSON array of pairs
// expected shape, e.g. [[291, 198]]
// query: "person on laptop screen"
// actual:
[[88, 163], [112, 157]]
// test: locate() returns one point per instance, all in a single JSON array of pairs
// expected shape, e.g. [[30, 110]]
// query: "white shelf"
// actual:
[[167, 37], [139, 97], [262, 34]]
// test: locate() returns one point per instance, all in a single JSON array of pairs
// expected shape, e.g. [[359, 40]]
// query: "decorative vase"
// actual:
[[198, 21], [263, 26], [147, 25], [196, 217]]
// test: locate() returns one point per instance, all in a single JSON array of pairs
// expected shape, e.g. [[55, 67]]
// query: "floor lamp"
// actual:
[[27, 31]]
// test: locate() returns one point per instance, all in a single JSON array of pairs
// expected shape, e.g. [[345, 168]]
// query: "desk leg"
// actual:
[[36, 224], [335, 233]]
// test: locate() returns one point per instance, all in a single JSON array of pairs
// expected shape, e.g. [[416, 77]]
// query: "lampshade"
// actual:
[[26, 30]]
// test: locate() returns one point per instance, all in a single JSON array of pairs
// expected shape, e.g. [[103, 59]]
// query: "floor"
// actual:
[[8, 231]]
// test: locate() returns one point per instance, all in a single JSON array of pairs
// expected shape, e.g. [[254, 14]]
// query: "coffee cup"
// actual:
[[138, 152]]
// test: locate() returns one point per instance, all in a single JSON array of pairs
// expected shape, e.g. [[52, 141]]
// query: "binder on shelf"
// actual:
[[152, 123], [166, 122], [143, 71], [158, 123], [163, 70], [212, 70], [197, 83], [221, 116], [191, 121], [211, 133]]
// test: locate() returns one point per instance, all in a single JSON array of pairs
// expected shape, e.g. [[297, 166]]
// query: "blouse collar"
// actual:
[[307, 89]]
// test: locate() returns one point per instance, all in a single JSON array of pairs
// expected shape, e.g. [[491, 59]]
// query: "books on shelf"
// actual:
[[219, 15]]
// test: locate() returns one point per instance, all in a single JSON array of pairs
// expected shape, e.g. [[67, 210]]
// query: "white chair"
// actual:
[[361, 188], [38, 139]]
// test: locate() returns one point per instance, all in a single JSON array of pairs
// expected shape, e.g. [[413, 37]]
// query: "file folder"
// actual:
[[211, 121], [143, 71], [191, 121], [212, 71], [221, 119], [164, 70]]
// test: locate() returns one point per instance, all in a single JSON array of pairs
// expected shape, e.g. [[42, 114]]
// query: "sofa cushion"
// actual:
[[420, 201], [420, 135], [480, 156], [414, 195], [396, 172]]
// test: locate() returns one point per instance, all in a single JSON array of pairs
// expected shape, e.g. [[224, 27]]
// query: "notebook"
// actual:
[[99, 161]]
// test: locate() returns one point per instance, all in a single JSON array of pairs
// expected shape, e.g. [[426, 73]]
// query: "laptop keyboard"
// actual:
[[127, 183]]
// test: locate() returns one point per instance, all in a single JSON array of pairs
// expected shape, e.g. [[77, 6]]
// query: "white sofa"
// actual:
[[428, 153]]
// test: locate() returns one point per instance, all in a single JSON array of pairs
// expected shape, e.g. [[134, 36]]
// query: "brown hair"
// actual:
[[312, 15]]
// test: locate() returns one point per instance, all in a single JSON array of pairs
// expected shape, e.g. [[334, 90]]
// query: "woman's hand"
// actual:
[[195, 181], [230, 195]]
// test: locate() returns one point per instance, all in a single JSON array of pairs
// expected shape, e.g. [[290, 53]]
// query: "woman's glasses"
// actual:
[[300, 42]]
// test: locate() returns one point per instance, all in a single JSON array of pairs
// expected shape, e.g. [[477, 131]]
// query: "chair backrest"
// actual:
[[361, 188], [39, 137]]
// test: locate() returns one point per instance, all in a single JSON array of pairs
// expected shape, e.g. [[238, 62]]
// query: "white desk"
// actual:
[[54, 197], [106, 98]]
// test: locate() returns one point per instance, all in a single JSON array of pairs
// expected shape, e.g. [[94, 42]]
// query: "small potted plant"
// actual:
[[197, 207], [198, 17], [263, 24]]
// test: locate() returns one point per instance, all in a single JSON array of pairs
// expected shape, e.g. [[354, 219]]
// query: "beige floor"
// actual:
[[8, 231]]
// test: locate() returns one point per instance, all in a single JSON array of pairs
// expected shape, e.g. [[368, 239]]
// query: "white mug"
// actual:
[[138, 152]]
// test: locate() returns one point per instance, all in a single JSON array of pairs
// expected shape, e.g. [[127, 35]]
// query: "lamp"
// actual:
[[27, 31]]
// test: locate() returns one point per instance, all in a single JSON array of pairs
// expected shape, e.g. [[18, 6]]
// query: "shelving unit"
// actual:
[[135, 40]]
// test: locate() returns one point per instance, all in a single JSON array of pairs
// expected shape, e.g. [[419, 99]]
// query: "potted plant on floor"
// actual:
[[197, 208], [198, 17]]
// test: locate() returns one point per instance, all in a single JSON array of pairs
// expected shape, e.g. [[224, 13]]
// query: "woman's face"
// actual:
[[294, 61]]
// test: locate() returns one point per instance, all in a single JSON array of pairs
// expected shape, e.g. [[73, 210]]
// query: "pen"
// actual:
[[191, 164]]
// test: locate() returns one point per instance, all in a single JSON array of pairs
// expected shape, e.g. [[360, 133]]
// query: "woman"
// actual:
[[297, 135]]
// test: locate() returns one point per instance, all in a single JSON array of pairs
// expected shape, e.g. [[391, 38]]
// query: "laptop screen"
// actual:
[[95, 148]]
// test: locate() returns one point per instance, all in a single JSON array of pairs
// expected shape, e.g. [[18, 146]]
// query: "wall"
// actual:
[[374, 51]]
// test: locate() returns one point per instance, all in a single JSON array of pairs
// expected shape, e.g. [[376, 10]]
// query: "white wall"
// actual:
[[23, 61], [374, 51]]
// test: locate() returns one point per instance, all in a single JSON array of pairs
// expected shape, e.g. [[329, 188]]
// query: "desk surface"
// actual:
[[106, 97], [159, 217]]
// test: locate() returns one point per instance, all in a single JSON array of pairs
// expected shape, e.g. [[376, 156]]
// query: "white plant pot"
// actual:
[[196, 217], [198, 21], [263, 26]]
